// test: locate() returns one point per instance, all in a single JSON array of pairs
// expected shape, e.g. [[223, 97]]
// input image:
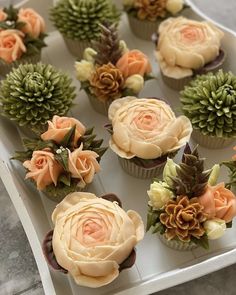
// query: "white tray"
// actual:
[[157, 267]]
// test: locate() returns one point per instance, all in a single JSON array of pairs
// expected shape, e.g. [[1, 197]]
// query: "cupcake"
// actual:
[[110, 70], [78, 21], [231, 165], [209, 103], [32, 93], [22, 33], [187, 47], [188, 207], [93, 238], [145, 16], [63, 159], [144, 132]]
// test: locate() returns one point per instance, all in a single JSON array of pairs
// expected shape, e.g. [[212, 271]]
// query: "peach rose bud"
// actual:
[[43, 169], [11, 45], [60, 126], [134, 62], [34, 23], [3, 15]]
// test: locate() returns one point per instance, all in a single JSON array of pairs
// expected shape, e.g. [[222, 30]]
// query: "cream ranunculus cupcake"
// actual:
[[93, 238], [187, 47], [145, 132]]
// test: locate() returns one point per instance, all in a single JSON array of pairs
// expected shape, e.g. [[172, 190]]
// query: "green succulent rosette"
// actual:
[[80, 19], [209, 101], [33, 93]]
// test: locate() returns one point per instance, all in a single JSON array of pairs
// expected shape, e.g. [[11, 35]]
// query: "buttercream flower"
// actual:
[[185, 45], [135, 83], [89, 54], [3, 15], [219, 202], [123, 46], [84, 70], [92, 236], [215, 228], [215, 172], [169, 171], [11, 45], [174, 6], [134, 62], [34, 23], [83, 164], [60, 126], [159, 195], [43, 169], [146, 128]]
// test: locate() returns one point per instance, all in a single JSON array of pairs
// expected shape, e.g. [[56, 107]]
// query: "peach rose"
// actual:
[[185, 44], [92, 236], [3, 15], [219, 202], [43, 169], [34, 23], [11, 45], [60, 126], [146, 128], [134, 62], [83, 164]]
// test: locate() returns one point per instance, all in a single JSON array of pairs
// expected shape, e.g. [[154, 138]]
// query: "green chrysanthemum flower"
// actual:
[[80, 19], [32, 94], [209, 101]]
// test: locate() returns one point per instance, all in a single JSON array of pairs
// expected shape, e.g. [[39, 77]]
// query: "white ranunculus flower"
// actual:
[[159, 195], [215, 228], [174, 6], [84, 70], [93, 236], [135, 83], [146, 128]]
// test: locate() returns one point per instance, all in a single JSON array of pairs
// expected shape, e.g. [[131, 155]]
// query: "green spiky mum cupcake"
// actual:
[[63, 159], [78, 21], [209, 101], [187, 208], [33, 93]]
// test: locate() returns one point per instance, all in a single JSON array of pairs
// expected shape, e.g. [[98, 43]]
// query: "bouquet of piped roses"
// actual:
[[188, 207], [110, 70], [22, 33], [63, 159]]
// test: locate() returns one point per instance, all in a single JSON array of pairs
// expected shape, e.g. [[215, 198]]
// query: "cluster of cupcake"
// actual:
[[94, 238]]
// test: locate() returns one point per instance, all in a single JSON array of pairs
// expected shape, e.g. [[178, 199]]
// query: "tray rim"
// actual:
[[146, 287]]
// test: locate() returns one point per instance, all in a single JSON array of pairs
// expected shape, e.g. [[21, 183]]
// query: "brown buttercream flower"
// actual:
[[107, 82], [150, 9], [183, 219]]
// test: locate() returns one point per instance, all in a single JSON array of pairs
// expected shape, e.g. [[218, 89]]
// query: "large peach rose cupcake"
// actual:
[[64, 159], [144, 132], [186, 48], [110, 70], [21, 37], [93, 238], [188, 208], [145, 16]]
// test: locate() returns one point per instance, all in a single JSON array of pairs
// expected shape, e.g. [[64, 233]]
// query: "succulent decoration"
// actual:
[[151, 10], [32, 94], [186, 206], [26, 28], [80, 19], [110, 70], [209, 101], [63, 159]]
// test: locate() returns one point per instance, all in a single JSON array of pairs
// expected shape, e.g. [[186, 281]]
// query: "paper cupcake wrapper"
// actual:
[[6, 68], [143, 29], [140, 172], [178, 245], [211, 142], [98, 105], [176, 84], [76, 47]]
